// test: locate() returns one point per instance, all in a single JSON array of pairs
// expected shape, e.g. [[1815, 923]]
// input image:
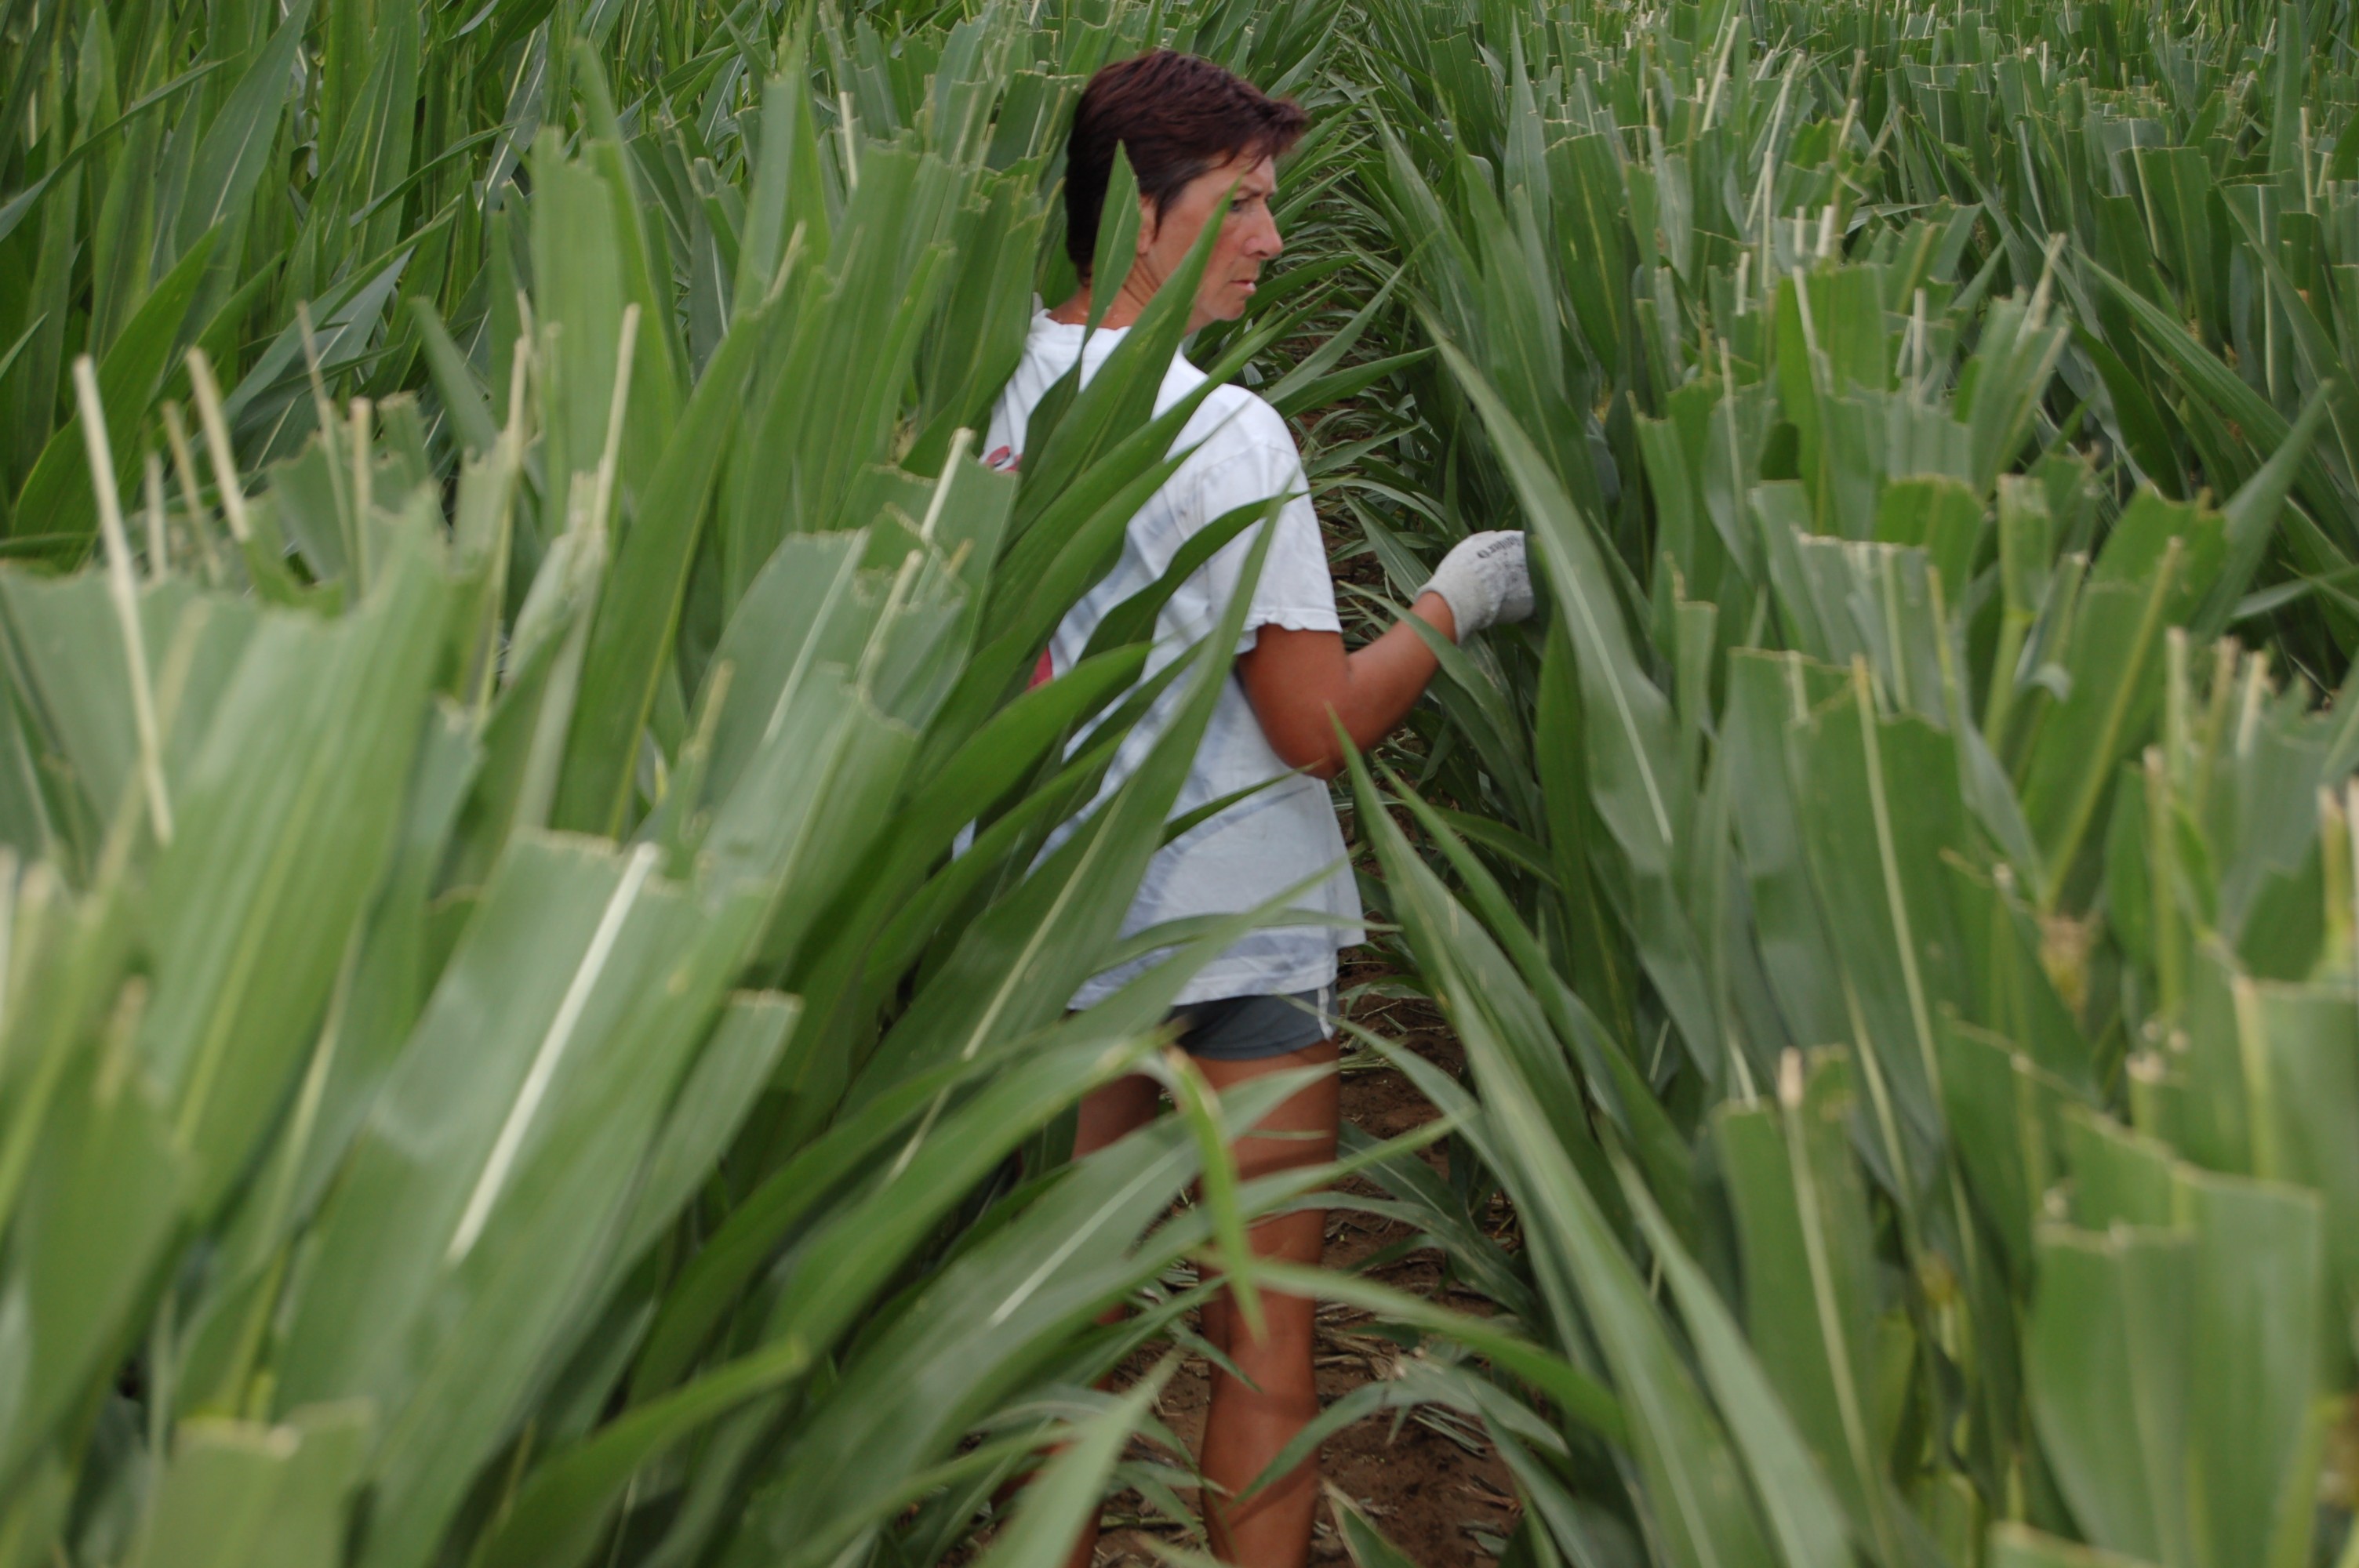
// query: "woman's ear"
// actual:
[[1149, 222]]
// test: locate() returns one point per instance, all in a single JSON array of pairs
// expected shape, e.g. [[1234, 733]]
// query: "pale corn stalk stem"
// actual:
[[124, 591], [960, 442], [321, 408], [158, 547], [363, 492], [1920, 1011], [1720, 71], [184, 471], [2334, 880], [2176, 728], [1759, 208], [11, 890], [1819, 374], [2351, 914], [602, 506], [551, 1053], [896, 600], [2248, 716], [324, 412], [2217, 700], [224, 461], [2162, 874], [1849, 1404], [851, 143], [519, 383], [2260, 1083]]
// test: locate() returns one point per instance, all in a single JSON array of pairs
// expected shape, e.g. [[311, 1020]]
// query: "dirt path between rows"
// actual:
[[1431, 1484]]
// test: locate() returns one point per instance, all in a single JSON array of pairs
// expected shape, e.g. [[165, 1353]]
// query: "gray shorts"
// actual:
[[1249, 1028]]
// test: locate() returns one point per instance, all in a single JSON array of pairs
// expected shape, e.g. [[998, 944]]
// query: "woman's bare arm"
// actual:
[[1300, 683]]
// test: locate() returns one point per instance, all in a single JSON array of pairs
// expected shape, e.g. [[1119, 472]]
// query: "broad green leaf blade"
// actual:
[[1802, 1509], [2107, 1345], [1069, 1491], [57, 497], [239, 1493]]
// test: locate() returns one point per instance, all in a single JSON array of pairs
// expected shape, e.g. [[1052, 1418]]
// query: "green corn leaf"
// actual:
[[1069, 1491], [917, 1384], [1117, 237], [1366, 1544], [638, 607], [714, 1099], [1613, 1079], [2301, 1078], [102, 1196], [1627, 721], [2019, 1546], [454, 382], [14, 211], [2109, 1331], [1801, 1508], [272, 1495], [291, 806], [1694, 1486], [2118, 1177], [1028, 958], [556, 1519], [57, 497], [447, 1268], [1809, 1289], [70, 673], [2149, 577], [710, 1285], [1878, 806], [238, 145], [2251, 516], [2257, 1286], [2004, 1118]]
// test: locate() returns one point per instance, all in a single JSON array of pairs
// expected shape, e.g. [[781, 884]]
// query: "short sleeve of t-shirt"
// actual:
[[1294, 589]]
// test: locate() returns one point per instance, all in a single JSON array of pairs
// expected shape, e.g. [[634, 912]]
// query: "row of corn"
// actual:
[[1899, 911], [499, 1064]]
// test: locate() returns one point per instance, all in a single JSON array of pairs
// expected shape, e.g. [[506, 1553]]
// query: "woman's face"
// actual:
[[1248, 237]]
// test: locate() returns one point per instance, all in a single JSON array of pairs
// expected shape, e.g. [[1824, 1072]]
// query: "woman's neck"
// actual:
[[1075, 310], [1129, 302]]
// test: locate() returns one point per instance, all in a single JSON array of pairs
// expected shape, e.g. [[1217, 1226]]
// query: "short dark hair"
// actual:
[[1177, 116]]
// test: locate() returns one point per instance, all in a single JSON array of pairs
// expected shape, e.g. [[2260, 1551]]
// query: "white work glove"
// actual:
[[1485, 580]]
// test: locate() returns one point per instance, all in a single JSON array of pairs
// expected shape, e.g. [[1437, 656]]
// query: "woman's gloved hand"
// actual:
[[1485, 580]]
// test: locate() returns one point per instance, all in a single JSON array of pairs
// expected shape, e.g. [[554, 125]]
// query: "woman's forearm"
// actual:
[[1302, 683], [1384, 678]]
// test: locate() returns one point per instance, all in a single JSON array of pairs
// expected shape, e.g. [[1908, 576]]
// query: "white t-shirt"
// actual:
[[1255, 851]]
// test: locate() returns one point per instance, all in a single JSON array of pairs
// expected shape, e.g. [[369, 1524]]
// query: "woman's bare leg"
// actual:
[[1250, 1424], [1108, 1115], [1114, 1111]]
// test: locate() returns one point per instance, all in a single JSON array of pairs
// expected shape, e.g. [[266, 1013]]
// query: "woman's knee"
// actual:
[[1302, 1129], [1113, 1111]]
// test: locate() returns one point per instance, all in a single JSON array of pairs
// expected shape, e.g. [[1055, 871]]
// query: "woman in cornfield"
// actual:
[[1204, 147]]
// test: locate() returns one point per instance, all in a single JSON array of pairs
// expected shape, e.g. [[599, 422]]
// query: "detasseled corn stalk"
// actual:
[[1904, 951], [494, 1044]]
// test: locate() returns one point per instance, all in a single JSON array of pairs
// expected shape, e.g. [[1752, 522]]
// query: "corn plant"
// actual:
[[499, 1060], [1887, 918]]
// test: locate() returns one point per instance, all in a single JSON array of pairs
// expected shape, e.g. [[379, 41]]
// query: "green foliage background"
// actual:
[[499, 1063]]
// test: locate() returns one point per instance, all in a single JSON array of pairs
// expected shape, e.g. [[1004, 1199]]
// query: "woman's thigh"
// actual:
[[1303, 1130], [1113, 1111]]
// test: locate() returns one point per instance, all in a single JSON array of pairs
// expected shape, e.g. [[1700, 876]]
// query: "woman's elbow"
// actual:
[[1321, 756], [1300, 725]]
